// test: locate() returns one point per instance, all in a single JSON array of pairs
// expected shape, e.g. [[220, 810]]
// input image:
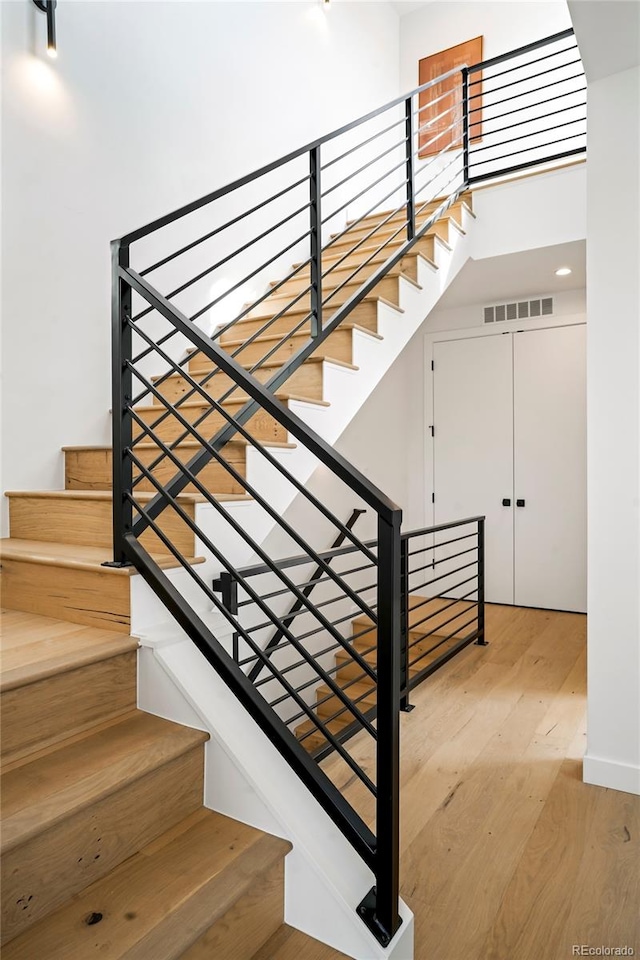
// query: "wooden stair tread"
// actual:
[[157, 903], [142, 495], [268, 365], [301, 335], [290, 944], [303, 311], [364, 688], [74, 555], [447, 607], [363, 252], [333, 726], [35, 647], [75, 775], [395, 272], [185, 444], [240, 400]]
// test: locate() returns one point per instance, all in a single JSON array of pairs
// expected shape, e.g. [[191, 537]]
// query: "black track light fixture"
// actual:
[[49, 7]]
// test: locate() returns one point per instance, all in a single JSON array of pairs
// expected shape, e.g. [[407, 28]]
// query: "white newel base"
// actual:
[[246, 778]]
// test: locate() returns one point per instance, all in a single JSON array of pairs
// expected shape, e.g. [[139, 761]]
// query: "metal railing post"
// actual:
[[379, 909], [411, 208], [465, 124], [481, 641], [315, 213], [405, 705], [122, 393]]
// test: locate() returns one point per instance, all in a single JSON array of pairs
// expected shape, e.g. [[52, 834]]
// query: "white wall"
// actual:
[[613, 397], [148, 106]]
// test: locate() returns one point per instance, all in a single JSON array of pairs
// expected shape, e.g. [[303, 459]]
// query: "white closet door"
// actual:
[[550, 468], [473, 446]]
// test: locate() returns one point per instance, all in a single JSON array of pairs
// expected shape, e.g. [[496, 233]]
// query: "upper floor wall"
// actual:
[[502, 25], [148, 106]]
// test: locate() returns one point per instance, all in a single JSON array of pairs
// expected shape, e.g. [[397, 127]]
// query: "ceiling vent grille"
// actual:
[[519, 310]]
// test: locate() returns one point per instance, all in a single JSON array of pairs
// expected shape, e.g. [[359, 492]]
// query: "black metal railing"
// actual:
[[526, 108], [442, 595], [202, 346], [442, 612]]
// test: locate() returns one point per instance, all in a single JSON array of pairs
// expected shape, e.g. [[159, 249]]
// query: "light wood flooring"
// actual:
[[505, 853]]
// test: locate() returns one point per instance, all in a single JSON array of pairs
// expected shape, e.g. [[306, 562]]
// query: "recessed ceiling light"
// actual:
[[563, 271]]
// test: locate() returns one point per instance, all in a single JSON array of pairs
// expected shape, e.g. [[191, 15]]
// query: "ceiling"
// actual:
[[515, 275], [407, 6]]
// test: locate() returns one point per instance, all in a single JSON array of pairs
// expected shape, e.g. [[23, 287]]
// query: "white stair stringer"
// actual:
[[247, 779]]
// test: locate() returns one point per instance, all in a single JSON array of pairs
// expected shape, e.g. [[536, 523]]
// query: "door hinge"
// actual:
[[433, 366], [433, 430], [433, 498]]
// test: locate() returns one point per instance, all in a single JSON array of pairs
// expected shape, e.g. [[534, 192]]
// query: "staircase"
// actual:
[[107, 850], [82, 874]]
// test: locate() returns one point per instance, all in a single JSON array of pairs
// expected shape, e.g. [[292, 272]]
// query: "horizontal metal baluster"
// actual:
[[225, 226], [244, 433], [362, 143], [315, 558]]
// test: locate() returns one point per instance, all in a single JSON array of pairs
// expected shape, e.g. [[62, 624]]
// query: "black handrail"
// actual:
[[194, 205]]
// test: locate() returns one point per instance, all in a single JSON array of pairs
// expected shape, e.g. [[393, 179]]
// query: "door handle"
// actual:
[[506, 502], [520, 503]]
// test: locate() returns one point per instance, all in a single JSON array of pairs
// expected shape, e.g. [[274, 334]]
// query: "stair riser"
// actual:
[[44, 872], [262, 426], [337, 345], [91, 470], [244, 928], [44, 712], [365, 315], [76, 594], [387, 288], [89, 522]]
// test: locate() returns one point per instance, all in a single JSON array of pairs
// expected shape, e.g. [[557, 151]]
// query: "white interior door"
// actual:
[[550, 468], [473, 446]]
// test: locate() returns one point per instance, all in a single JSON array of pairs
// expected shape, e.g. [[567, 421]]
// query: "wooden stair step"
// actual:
[[68, 582], [262, 426], [205, 889], [89, 467], [443, 229], [387, 287], [398, 217], [425, 248], [365, 315], [73, 814], [347, 269], [290, 944], [306, 380], [339, 344], [363, 694], [316, 738], [85, 517], [58, 679]]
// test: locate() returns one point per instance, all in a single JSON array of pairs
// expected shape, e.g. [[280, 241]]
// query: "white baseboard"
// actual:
[[611, 774]]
